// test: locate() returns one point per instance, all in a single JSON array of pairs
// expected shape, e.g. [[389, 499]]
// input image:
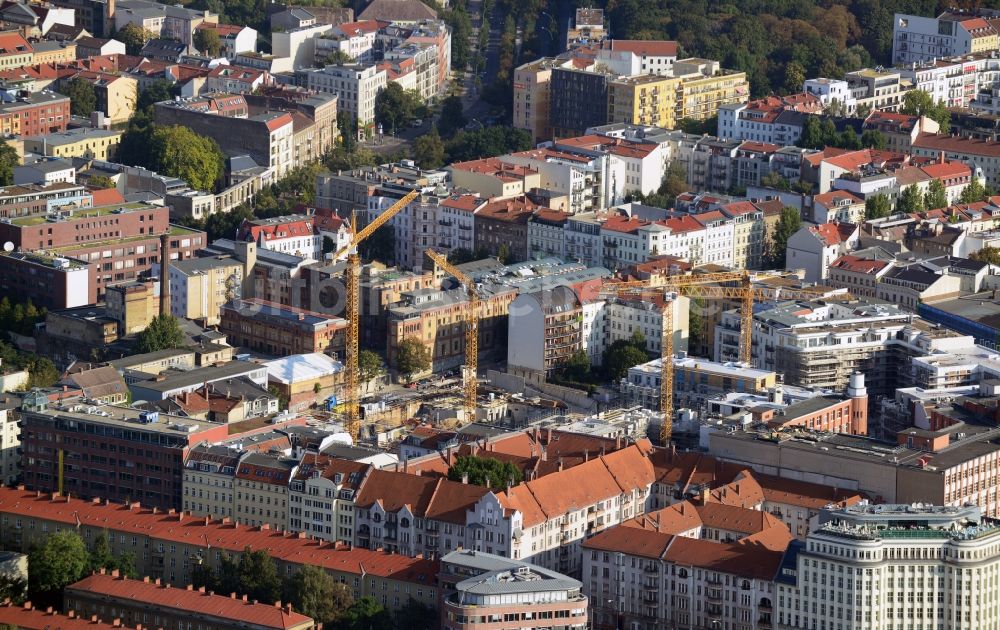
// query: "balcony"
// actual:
[[714, 595]]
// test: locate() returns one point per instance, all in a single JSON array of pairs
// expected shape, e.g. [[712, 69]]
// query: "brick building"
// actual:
[[281, 330], [121, 241], [34, 114], [16, 201], [124, 454], [150, 603], [55, 283], [502, 225]]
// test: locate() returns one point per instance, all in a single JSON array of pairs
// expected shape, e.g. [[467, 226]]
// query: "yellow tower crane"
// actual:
[[470, 371], [353, 310], [664, 285]]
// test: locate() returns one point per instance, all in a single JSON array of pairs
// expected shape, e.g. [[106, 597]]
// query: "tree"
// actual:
[[920, 103], [461, 255], [367, 614], [155, 92], [623, 354], [452, 115], [100, 181], [577, 367], [280, 395], [428, 150], [812, 134], [877, 206], [773, 179], [485, 471], [936, 196], [486, 142], [412, 357], [62, 560], [696, 325], [42, 372], [134, 37], [369, 365], [873, 139], [975, 191], [206, 40], [180, 152], [100, 554], [82, 98], [910, 200], [788, 224], [259, 576], [336, 58], [164, 332], [415, 615], [381, 245], [795, 76], [8, 160], [395, 107], [503, 253], [987, 254], [314, 593], [13, 588]]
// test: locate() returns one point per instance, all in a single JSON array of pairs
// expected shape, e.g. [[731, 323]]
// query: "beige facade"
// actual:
[[261, 488], [132, 305], [705, 86], [209, 475], [199, 287], [10, 444], [531, 99], [99, 144], [643, 100]]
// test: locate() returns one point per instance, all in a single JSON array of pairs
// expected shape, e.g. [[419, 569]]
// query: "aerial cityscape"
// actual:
[[499, 315]]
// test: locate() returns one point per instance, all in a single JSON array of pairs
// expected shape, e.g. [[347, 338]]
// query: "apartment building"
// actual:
[[84, 142], [858, 275], [818, 344], [10, 439], [761, 120], [492, 177], [321, 495], [235, 38], [815, 247], [880, 565], [50, 282], [578, 99], [705, 87], [545, 330], [501, 228], [916, 39], [292, 234], [632, 166], [546, 234], [209, 475], [355, 86], [981, 155], [164, 21], [643, 99], [167, 545], [35, 114], [480, 588], [260, 486], [584, 179], [159, 604], [637, 56], [199, 287], [85, 467], [531, 98], [690, 566], [280, 330]]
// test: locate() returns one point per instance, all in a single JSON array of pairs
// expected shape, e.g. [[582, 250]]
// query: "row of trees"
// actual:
[[64, 559], [615, 361], [485, 471], [817, 134], [20, 318]]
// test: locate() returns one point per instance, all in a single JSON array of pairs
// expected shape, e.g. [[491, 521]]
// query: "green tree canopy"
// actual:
[[415, 615], [911, 200], [367, 614], [412, 357], [987, 254], [206, 40], [623, 354], [486, 142], [134, 37], [788, 224], [396, 107], [314, 593], [163, 333], [8, 160], [428, 150], [452, 116], [100, 181], [481, 470], [936, 196], [920, 103], [877, 206], [258, 576], [180, 152], [155, 92], [369, 365], [974, 192], [461, 255], [82, 98], [60, 561]]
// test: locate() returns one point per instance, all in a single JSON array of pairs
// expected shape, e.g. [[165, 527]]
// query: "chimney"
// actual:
[[560, 464], [586, 454], [164, 276], [465, 478]]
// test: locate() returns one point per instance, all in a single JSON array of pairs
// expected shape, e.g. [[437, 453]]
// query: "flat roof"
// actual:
[[198, 376], [302, 367], [126, 417]]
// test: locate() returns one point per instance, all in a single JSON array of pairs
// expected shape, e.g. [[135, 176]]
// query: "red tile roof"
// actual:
[[223, 535], [645, 48], [253, 230], [859, 265], [947, 170], [12, 43], [194, 601], [832, 198], [624, 224], [744, 560], [682, 224], [515, 210], [427, 497], [468, 203], [954, 144], [107, 197], [28, 618]]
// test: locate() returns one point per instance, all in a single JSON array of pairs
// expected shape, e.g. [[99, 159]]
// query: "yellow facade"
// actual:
[[100, 145], [643, 100], [699, 97], [986, 43], [531, 99], [66, 52], [202, 294]]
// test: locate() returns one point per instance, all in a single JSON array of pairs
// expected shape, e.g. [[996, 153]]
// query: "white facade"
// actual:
[[10, 444], [719, 239], [830, 90], [916, 39], [582, 239], [355, 85], [298, 44], [887, 569]]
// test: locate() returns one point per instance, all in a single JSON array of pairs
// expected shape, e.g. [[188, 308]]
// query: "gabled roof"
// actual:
[[426, 497], [643, 48], [859, 265]]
